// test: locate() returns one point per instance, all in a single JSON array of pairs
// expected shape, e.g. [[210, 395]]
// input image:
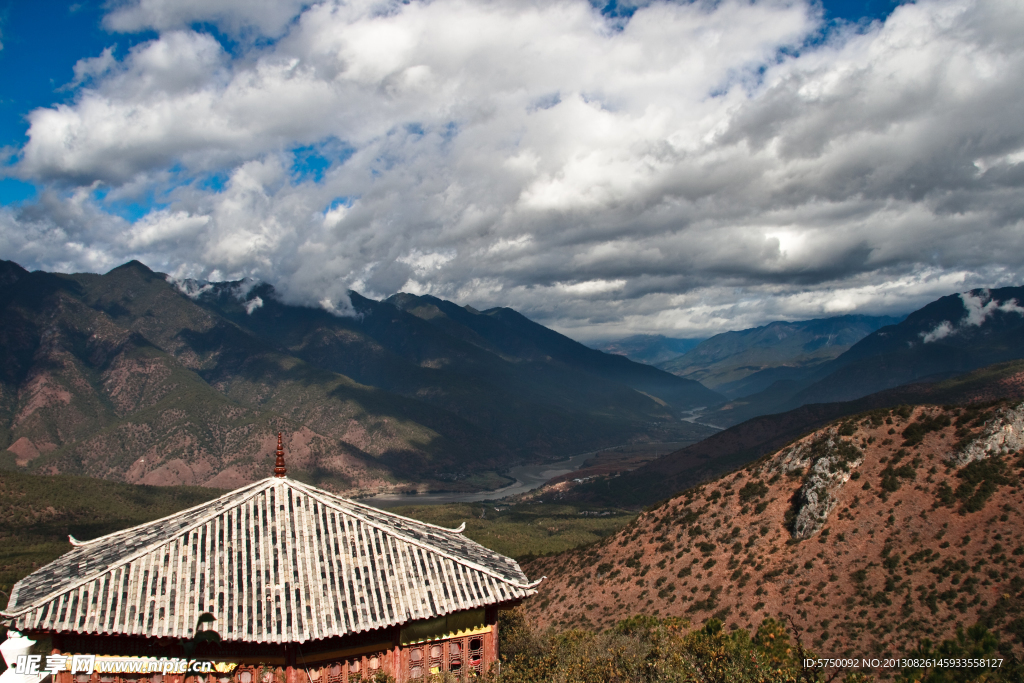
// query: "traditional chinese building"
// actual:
[[305, 586]]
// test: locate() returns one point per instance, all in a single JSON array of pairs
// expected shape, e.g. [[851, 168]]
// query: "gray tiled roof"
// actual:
[[275, 561]]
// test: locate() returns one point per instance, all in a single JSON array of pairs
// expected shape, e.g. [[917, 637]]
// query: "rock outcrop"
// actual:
[[830, 460], [1002, 434]]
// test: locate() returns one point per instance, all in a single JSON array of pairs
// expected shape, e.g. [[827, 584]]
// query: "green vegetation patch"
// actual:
[[971, 420], [646, 649], [916, 431], [38, 512], [981, 479], [891, 476], [753, 489], [524, 530]]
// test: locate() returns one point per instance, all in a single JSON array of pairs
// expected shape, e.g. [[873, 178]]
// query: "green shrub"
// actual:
[[644, 649], [753, 489], [891, 476], [981, 478], [916, 431]]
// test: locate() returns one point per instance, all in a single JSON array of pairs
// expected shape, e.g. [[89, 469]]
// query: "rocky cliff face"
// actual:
[[829, 460], [1003, 434]]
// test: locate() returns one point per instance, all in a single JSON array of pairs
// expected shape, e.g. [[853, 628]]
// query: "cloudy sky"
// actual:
[[681, 168]]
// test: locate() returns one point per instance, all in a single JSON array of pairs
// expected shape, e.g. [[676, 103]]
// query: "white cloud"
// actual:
[[1012, 306], [591, 287], [93, 67], [423, 263], [941, 331], [193, 289], [268, 17], [977, 309], [252, 304], [692, 168], [342, 307], [980, 307], [164, 226]]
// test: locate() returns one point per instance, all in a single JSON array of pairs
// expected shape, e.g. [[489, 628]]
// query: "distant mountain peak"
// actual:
[[133, 265], [10, 272], [402, 299]]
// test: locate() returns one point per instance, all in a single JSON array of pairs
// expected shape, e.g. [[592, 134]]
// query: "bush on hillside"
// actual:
[[974, 643], [645, 649], [980, 479], [916, 431], [753, 489]]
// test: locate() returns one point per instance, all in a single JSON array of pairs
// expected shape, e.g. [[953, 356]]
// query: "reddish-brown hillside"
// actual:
[[871, 533]]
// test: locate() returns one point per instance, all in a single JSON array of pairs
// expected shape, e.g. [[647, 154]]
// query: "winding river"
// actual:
[[692, 416], [527, 478]]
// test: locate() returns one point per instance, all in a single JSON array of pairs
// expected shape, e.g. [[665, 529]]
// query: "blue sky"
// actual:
[[44, 39], [665, 167]]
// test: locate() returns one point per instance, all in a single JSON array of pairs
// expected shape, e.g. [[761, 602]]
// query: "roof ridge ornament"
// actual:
[[279, 468]]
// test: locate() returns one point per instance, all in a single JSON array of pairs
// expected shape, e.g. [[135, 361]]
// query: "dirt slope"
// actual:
[[871, 533]]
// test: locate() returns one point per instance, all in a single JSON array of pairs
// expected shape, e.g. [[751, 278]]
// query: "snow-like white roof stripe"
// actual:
[[275, 561]]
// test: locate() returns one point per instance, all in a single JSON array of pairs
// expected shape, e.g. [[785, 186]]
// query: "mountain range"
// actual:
[[784, 365], [652, 349], [955, 334], [136, 377], [748, 361]]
